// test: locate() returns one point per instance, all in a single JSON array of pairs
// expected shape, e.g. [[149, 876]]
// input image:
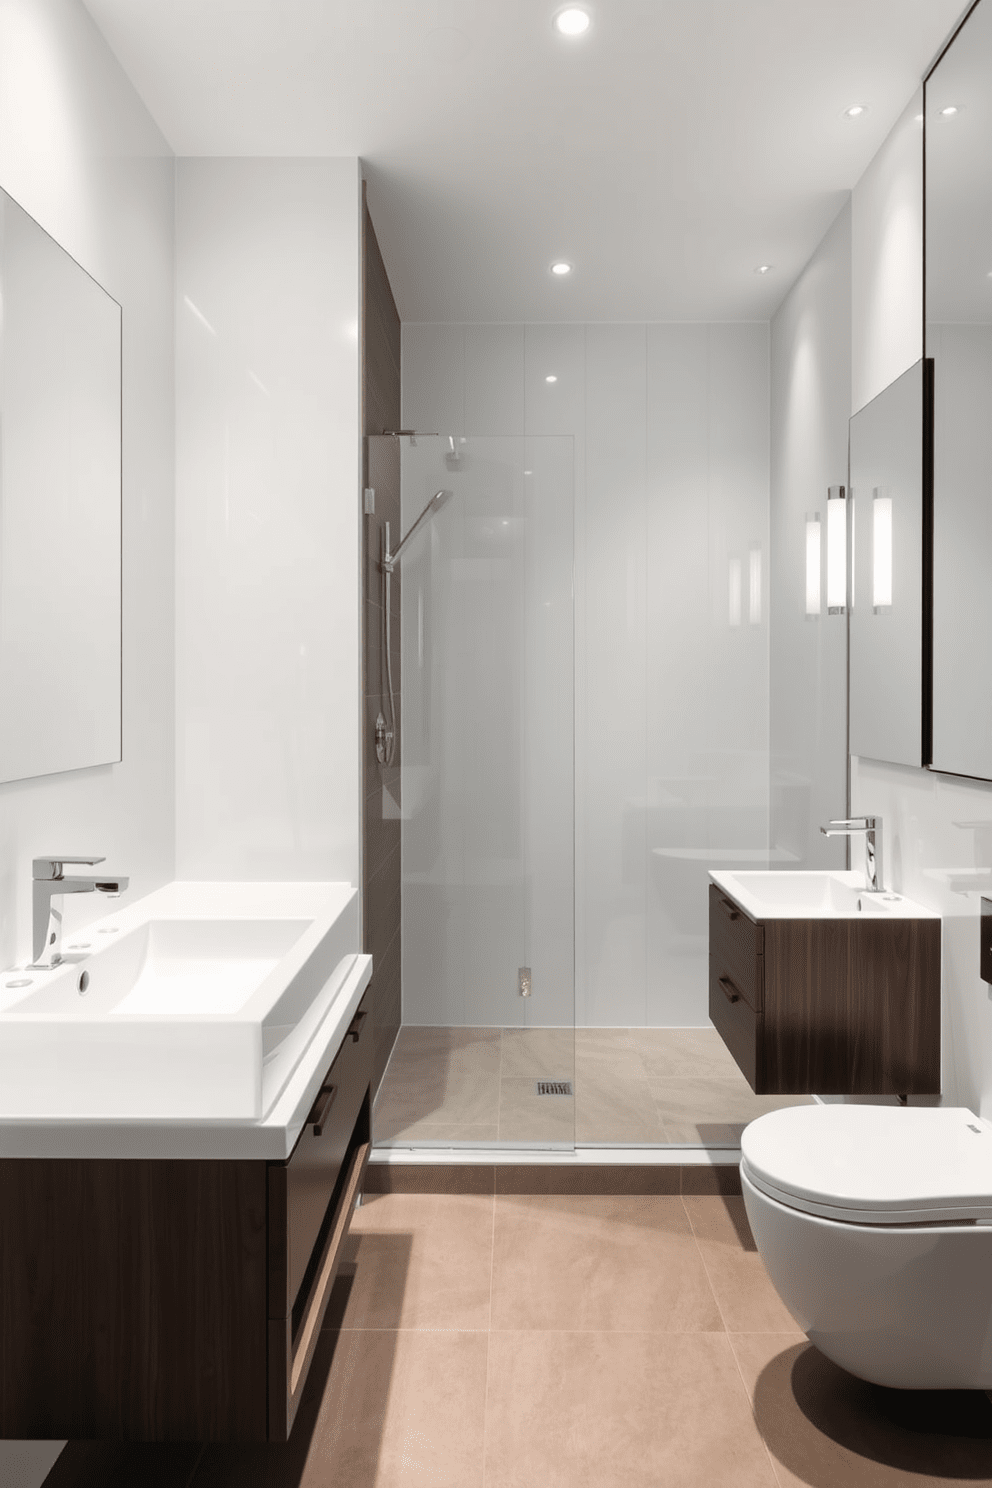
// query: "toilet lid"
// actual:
[[873, 1164]]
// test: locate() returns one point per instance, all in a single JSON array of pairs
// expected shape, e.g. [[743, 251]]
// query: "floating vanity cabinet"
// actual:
[[834, 1005], [174, 1299]]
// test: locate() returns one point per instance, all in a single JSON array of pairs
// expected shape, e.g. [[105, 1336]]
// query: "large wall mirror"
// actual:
[[959, 339], [889, 526], [60, 508]]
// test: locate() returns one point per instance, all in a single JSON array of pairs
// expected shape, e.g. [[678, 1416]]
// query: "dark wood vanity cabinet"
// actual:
[[177, 1299], [839, 1006]]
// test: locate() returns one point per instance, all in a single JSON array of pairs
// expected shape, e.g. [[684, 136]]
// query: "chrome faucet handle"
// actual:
[[850, 824], [49, 868]]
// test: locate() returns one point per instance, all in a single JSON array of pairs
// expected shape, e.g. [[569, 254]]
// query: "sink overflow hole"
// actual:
[[554, 1087], [83, 983]]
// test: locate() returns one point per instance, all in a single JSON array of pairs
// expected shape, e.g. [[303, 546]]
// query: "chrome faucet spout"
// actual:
[[871, 826], [49, 883]]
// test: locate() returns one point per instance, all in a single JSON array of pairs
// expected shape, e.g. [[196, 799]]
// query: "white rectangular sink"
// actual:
[[195, 1003], [813, 895]]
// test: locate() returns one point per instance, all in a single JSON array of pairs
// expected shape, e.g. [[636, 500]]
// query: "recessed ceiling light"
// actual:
[[764, 268], [551, 378], [947, 112], [561, 268], [572, 21], [855, 111]]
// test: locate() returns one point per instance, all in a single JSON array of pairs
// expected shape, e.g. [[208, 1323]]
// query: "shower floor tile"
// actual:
[[654, 1086]]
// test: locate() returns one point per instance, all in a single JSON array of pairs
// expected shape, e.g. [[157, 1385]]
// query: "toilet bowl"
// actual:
[[875, 1226]]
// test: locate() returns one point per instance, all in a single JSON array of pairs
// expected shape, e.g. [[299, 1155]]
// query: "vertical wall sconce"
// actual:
[[813, 565], [881, 550], [836, 550], [735, 592], [754, 586]]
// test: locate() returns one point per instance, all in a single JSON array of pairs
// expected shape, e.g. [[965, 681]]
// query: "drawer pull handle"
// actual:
[[730, 909], [321, 1106], [357, 1022], [728, 989]]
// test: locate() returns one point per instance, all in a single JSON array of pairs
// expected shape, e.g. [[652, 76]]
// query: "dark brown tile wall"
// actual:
[[381, 785], [552, 1178]]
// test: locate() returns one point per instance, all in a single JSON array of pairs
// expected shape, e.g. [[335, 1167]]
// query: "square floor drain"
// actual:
[[554, 1087]]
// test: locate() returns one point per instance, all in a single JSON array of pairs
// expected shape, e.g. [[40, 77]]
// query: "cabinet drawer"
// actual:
[[737, 1023], [737, 944], [300, 1189]]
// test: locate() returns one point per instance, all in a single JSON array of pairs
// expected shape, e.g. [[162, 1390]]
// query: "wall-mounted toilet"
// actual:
[[875, 1225]]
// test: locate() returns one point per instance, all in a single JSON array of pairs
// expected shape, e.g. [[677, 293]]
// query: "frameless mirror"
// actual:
[[958, 112], [60, 508], [889, 495]]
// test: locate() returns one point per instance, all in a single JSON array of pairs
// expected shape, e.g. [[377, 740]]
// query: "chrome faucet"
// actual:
[[871, 826], [48, 885]]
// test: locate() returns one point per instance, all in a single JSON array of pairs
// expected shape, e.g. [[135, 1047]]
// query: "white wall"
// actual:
[[268, 473], [887, 260], [79, 152], [810, 406], [670, 429], [937, 829]]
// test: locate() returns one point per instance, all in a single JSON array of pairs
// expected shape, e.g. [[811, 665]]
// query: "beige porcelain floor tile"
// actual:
[[826, 1429], [420, 1261], [388, 1410], [613, 1102], [748, 1301], [624, 1263], [619, 1410], [604, 1040], [415, 1091], [435, 1131], [697, 1053], [427, 1039], [538, 1053], [712, 1111], [525, 1116]]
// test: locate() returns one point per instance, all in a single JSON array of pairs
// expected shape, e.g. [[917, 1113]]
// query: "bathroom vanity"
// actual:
[[818, 988], [164, 1276]]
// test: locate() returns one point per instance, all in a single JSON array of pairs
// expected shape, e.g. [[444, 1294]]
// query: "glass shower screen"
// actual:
[[486, 1051]]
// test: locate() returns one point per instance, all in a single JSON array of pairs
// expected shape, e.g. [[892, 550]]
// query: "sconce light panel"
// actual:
[[836, 550], [813, 565], [734, 596], [754, 586], [881, 550]]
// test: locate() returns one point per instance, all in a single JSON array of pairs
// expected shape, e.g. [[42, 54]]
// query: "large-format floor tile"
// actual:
[[525, 1116], [389, 1132], [420, 1261], [712, 1111], [826, 1429], [619, 1410], [426, 1039], [413, 1091], [684, 1052], [748, 1301], [598, 1262], [390, 1410], [600, 1041], [613, 1101], [537, 1053]]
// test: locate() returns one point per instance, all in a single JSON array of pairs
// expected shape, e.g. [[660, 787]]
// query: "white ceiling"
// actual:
[[668, 152]]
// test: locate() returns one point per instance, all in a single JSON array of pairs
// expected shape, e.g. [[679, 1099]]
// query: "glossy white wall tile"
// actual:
[[433, 359], [669, 427], [810, 408], [887, 260], [80, 153], [268, 502]]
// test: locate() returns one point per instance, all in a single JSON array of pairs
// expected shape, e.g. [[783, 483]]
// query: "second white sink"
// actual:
[[812, 895]]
